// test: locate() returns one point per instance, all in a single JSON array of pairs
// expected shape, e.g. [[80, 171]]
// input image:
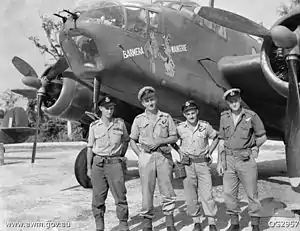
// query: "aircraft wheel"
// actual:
[[81, 170]]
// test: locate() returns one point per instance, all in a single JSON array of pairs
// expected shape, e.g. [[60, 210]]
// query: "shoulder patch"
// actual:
[[225, 112], [164, 114], [94, 122], [181, 124], [252, 113], [203, 125], [140, 115], [120, 120], [203, 122]]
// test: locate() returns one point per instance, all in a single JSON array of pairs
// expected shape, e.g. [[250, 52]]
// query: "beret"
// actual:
[[146, 92], [188, 105], [106, 102], [231, 92]]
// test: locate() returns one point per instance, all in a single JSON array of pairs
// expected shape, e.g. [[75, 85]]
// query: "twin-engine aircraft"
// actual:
[[184, 50]]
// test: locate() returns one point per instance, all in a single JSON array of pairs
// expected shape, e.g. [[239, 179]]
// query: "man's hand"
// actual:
[[255, 152], [154, 145], [209, 157], [220, 169], [89, 173]]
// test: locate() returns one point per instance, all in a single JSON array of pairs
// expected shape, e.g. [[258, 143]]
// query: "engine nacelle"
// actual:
[[74, 99], [273, 60]]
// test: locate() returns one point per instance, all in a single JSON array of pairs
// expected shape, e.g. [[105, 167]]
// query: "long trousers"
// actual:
[[108, 176], [151, 167], [198, 193], [245, 172]]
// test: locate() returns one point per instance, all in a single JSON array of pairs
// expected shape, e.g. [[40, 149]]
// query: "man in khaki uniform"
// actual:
[[241, 134], [107, 144], [196, 154], [154, 130]]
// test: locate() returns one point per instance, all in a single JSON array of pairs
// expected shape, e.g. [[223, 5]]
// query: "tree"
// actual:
[[285, 9], [51, 29], [8, 100], [51, 129]]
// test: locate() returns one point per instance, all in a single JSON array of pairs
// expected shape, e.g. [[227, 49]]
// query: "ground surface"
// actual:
[[48, 191]]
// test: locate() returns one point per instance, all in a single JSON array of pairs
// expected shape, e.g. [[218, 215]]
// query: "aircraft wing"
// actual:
[[20, 134], [245, 72], [28, 93]]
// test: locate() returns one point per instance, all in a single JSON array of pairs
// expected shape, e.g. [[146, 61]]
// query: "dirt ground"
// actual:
[[48, 191]]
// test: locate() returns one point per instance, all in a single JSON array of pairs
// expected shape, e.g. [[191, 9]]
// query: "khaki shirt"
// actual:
[[146, 131], [194, 140], [241, 136], [107, 141]]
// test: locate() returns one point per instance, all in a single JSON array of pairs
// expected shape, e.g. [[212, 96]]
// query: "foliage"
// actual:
[[285, 9], [51, 29], [51, 128], [8, 100]]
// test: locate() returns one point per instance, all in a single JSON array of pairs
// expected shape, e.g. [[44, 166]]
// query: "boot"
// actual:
[[197, 227], [100, 223], [255, 223], [123, 226], [171, 228], [234, 227], [170, 223], [147, 226], [234, 218], [212, 228]]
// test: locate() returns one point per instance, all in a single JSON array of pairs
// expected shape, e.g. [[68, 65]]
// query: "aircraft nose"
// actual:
[[82, 54]]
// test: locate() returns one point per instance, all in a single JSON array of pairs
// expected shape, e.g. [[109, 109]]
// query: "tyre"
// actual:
[[81, 169]]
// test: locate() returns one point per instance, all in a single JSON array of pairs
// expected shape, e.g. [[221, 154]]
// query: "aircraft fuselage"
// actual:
[[178, 55]]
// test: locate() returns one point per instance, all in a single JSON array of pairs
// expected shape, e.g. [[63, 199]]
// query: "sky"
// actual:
[[20, 19]]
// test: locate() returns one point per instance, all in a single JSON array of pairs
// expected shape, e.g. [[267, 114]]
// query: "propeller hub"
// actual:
[[283, 37]]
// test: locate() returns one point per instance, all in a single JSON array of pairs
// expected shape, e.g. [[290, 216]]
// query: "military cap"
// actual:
[[189, 105], [106, 102], [231, 92], [146, 92]]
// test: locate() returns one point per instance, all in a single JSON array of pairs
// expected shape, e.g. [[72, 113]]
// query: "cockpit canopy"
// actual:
[[132, 17]]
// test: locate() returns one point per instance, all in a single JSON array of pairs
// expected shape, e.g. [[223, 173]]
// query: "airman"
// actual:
[[241, 134], [154, 130], [195, 153], [107, 144]]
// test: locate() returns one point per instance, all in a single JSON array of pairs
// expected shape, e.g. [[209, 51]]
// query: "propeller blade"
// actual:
[[233, 21], [293, 125], [28, 93], [60, 66], [23, 67], [39, 105], [32, 82]]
